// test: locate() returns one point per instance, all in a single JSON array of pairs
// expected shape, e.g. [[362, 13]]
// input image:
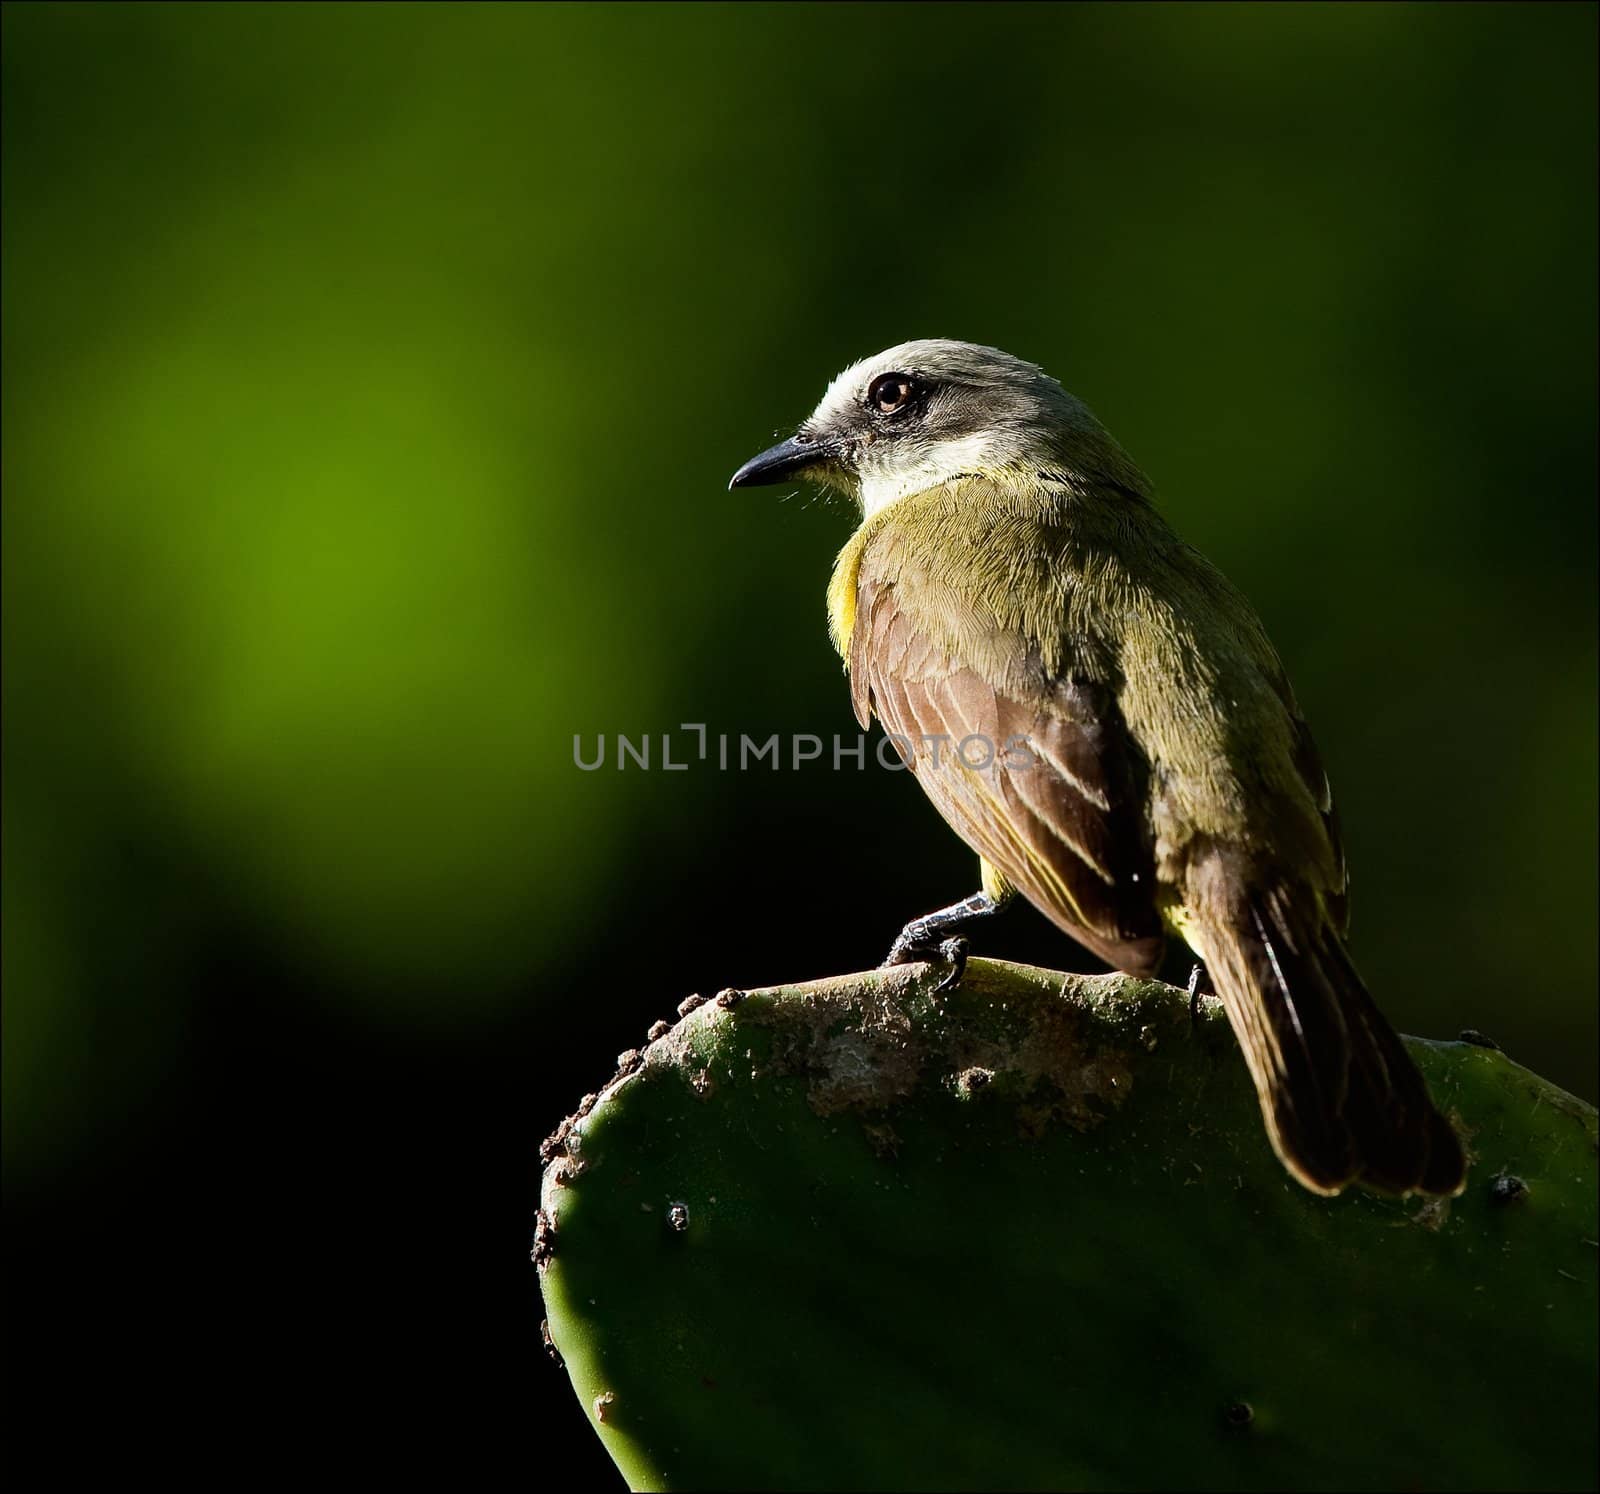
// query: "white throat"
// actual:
[[937, 464]]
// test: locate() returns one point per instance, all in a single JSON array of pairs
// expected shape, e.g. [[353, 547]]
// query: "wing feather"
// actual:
[[1062, 818]]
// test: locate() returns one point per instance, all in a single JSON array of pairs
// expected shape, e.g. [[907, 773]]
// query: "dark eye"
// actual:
[[889, 392]]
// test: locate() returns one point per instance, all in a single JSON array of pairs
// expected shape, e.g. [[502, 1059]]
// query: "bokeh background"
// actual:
[[372, 377]]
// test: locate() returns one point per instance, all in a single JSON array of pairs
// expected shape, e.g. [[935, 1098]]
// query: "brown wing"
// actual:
[[1061, 816]]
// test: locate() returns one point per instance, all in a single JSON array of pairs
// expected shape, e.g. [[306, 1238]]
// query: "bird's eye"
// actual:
[[889, 392]]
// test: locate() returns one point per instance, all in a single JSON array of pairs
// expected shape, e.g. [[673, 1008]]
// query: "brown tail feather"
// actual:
[[1342, 1100]]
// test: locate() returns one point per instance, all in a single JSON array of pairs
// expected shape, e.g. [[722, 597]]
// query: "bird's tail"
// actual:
[[1342, 1100]]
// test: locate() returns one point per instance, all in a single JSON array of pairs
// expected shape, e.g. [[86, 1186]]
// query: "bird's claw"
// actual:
[[950, 953]]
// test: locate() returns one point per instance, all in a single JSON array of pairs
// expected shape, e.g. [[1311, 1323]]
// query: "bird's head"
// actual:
[[924, 413]]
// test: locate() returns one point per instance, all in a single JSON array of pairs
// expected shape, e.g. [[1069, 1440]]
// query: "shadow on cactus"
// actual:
[[1028, 1235]]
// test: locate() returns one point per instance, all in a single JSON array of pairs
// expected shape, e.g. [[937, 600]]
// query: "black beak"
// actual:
[[785, 460]]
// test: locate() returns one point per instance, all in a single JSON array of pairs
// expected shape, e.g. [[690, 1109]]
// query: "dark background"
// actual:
[[372, 377]]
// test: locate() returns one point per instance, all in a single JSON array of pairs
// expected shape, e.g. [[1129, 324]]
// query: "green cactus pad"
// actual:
[[1029, 1234]]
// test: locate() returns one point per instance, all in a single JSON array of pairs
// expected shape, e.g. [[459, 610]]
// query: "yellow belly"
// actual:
[[1177, 918]]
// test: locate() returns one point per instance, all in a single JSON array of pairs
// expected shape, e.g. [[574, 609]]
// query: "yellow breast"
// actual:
[[842, 588]]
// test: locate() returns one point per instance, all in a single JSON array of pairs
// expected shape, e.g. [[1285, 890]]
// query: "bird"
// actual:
[[1099, 714]]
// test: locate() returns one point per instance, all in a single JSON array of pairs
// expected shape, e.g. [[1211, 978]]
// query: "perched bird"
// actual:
[[1098, 713]]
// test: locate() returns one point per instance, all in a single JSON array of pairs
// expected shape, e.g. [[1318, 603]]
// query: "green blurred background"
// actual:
[[372, 377]]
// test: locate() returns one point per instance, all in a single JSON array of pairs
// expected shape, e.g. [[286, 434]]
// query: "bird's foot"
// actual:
[[947, 958], [1199, 985]]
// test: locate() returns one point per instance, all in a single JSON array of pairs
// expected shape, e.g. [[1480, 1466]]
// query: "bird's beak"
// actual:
[[785, 460]]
